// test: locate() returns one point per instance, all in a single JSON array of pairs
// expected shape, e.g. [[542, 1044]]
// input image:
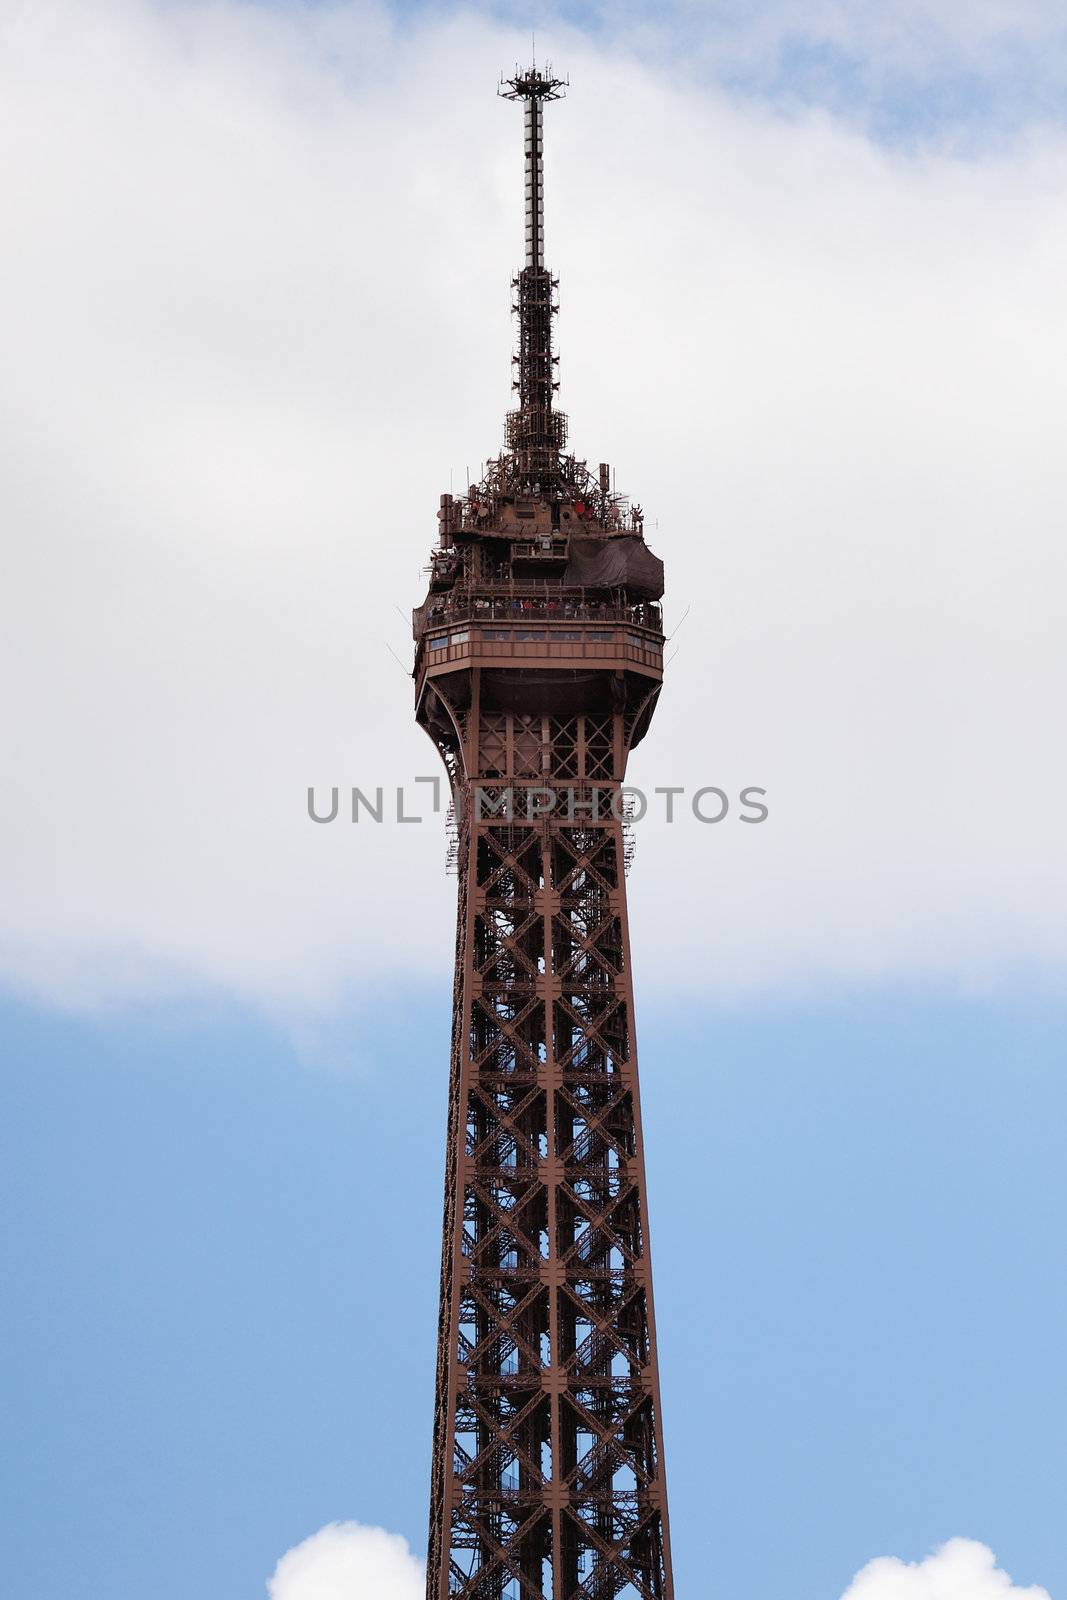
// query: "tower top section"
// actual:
[[538, 533], [535, 467]]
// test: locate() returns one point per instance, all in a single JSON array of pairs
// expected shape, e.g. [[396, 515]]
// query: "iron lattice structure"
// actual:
[[538, 664]]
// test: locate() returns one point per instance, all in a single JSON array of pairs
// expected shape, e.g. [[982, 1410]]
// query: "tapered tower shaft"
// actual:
[[538, 666]]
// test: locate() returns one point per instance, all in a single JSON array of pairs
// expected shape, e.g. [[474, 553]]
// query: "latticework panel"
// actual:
[[548, 1476]]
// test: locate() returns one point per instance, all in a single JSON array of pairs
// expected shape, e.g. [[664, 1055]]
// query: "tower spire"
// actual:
[[535, 433]]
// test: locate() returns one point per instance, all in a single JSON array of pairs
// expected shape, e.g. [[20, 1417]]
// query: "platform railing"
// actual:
[[527, 602]]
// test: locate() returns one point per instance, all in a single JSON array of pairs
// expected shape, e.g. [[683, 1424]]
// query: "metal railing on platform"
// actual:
[[537, 600]]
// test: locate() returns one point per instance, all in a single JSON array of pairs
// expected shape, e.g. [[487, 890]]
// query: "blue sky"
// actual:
[[240, 282], [222, 1336]]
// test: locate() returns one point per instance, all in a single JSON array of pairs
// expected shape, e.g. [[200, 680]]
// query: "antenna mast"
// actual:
[[535, 433]]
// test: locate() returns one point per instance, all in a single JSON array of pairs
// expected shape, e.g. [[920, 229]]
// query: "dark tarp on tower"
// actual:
[[625, 563]]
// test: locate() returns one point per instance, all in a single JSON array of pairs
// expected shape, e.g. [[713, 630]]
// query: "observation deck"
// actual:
[[568, 629]]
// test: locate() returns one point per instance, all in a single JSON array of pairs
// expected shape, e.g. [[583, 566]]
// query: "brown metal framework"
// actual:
[[547, 1478]]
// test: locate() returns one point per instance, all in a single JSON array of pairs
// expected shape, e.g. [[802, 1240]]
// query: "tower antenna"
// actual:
[[535, 433]]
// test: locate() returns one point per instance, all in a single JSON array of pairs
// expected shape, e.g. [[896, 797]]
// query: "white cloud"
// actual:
[[347, 1561], [254, 305], [960, 1570]]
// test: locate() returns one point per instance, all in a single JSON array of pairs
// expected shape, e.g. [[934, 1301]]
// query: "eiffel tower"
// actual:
[[539, 658]]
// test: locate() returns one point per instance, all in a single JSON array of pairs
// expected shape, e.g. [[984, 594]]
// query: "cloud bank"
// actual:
[[348, 1561], [255, 312]]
